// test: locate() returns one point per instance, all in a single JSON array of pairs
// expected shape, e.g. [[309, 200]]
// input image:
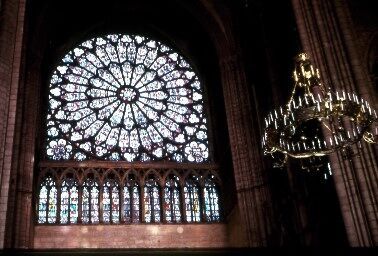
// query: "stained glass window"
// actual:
[[125, 97], [47, 202], [192, 203], [131, 201], [151, 201], [172, 200], [52, 209], [90, 201], [110, 201], [105, 197], [42, 205], [211, 200], [69, 201]]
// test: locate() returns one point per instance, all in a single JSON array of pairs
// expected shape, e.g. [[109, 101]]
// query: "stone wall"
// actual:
[[131, 236]]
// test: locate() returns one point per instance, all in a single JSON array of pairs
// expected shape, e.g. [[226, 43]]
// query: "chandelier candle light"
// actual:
[[344, 118]]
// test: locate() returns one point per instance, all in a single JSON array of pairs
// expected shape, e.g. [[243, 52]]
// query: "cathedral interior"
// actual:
[[136, 126]]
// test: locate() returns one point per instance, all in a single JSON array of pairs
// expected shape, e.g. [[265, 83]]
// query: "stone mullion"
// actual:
[[69, 203], [80, 203], [201, 202], [47, 203], [334, 51], [110, 204], [182, 202], [132, 205], [162, 202], [247, 167], [122, 187], [59, 202], [173, 204], [100, 202], [142, 203]]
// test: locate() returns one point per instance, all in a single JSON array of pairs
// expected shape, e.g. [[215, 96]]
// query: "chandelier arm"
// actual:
[[292, 95], [328, 128]]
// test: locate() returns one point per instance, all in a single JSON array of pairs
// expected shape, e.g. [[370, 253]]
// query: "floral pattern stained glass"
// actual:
[[125, 97]]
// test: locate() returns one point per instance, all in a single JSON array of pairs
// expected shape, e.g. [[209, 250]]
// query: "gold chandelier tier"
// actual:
[[315, 121]]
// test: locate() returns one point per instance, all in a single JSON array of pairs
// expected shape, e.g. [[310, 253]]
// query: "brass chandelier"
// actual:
[[316, 121]]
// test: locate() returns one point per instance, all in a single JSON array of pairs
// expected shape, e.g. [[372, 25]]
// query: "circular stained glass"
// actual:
[[125, 97]]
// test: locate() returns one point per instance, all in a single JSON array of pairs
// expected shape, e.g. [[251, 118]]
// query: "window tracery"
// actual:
[[98, 186], [125, 97], [116, 101]]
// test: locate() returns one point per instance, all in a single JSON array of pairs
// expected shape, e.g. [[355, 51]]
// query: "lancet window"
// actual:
[[106, 198], [172, 199]]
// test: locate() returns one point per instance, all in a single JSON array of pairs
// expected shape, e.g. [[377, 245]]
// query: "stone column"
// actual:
[[11, 37], [20, 214], [252, 191], [327, 34]]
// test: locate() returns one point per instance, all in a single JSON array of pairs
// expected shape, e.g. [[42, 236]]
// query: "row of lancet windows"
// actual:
[[92, 202]]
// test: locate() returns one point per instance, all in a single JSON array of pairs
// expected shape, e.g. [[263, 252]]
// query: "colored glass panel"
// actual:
[[211, 201], [125, 97], [172, 200], [192, 204], [151, 202], [90, 202]]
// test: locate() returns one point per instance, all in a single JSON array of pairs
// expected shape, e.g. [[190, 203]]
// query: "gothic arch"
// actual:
[[50, 43]]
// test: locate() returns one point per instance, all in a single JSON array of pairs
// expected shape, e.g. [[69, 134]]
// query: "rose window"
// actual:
[[126, 97]]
